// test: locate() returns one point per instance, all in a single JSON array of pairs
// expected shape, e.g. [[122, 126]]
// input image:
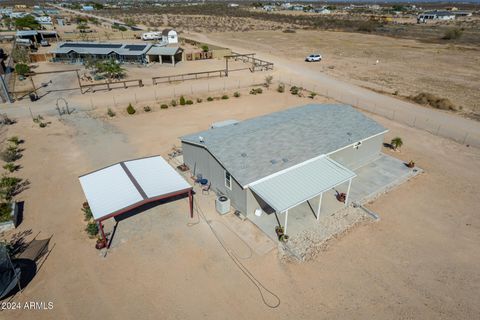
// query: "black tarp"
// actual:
[[9, 276]]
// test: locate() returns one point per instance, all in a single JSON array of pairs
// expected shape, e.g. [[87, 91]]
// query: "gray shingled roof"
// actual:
[[258, 147]]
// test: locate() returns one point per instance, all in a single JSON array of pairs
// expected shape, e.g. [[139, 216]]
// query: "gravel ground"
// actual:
[[306, 245]]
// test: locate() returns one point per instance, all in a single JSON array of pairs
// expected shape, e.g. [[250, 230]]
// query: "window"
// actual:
[[228, 180]]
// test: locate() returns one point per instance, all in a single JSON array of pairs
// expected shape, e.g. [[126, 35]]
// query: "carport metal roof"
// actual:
[[295, 185], [124, 186]]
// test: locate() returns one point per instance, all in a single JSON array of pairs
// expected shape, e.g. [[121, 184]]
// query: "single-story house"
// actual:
[[36, 36], [435, 15], [77, 52], [169, 36], [277, 161]]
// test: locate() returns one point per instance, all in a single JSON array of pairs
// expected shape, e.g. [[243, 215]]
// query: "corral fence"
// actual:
[[190, 76], [123, 84], [419, 120], [256, 64]]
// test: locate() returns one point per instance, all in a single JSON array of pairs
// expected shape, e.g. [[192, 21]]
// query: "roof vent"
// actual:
[[244, 154], [285, 160], [273, 161], [200, 138]]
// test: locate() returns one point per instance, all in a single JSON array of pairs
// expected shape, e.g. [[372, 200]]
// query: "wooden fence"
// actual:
[[190, 76], [124, 84]]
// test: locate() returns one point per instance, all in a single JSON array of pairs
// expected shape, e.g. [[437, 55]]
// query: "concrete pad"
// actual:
[[373, 180]]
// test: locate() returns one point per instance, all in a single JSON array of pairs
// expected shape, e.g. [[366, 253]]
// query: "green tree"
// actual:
[[110, 68], [396, 143], [22, 69], [27, 22]]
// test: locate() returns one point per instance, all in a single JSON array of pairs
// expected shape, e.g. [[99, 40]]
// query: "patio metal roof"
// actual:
[[126, 185], [163, 51], [295, 185]]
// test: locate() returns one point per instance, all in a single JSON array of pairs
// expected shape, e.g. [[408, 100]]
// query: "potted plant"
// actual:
[[411, 164], [341, 196]]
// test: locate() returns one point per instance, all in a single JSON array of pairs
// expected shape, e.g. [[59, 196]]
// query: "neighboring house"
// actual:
[[245, 160], [169, 36], [44, 19], [322, 11], [88, 8], [16, 15], [78, 52], [435, 15]]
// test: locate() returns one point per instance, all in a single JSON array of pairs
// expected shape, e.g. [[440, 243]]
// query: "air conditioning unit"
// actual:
[[222, 204]]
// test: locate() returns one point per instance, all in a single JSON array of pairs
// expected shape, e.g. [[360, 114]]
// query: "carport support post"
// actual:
[[286, 220], [319, 205], [348, 192], [100, 226], [190, 200]]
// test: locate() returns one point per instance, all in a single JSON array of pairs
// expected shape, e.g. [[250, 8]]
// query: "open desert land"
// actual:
[[419, 261], [395, 66]]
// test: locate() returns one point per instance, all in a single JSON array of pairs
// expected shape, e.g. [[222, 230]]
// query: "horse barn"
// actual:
[[78, 52], [274, 163]]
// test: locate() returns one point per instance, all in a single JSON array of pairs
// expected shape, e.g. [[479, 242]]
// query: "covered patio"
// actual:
[[126, 186], [302, 184], [371, 180]]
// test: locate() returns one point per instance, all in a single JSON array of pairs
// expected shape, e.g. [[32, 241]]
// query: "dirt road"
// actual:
[[302, 74]]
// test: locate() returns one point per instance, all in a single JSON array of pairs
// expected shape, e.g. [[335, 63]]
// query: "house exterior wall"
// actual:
[[353, 158], [200, 161]]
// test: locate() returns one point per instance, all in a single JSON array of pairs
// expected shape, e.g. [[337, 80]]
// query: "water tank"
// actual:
[[222, 204]]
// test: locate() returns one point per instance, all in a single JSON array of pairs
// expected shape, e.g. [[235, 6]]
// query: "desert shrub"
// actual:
[[92, 229], [256, 91], [9, 186], [110, 113], [22, 69], [131, 109], [236, 94], [87, 212], [294, 90], [10, 167], [367, 26], [281, 88], [312, 95], [11, 154], [189, 102], [199, 100], [452, 34], [37, 119], [164, 106], [209, 99], [268, 81], [4, 119], [289, 31], [15, 140], [147, 109], [182, 101], [434, 101], [225, 97], [205, 48], [173, 103], [396, 143], [5, 209], [42, 125]]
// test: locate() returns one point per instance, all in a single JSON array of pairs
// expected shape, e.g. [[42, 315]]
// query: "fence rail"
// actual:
[[190, 76], [111, 85]]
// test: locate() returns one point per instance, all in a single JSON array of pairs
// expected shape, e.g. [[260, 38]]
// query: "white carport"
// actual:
[[123, 186], [289, 188]]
